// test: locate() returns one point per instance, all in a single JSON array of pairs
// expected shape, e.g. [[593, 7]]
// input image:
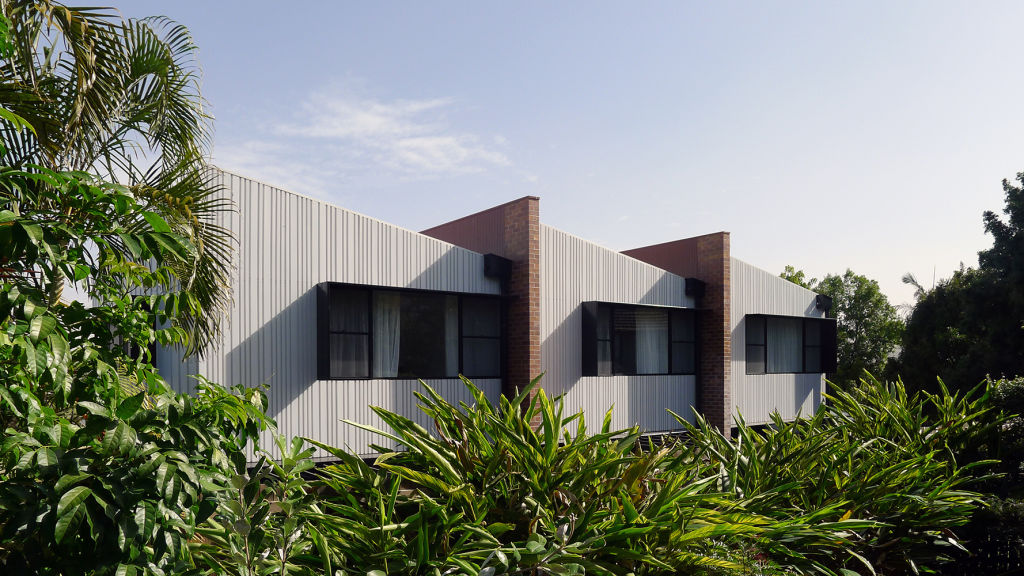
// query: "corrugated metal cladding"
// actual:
[[574, 271], [756, 396], [287, 244]]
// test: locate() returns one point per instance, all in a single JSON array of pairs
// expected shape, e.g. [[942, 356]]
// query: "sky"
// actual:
[[824, 135]]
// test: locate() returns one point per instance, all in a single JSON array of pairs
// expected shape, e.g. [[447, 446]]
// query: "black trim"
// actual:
[[323, 329], [826, 348], [323, 343], [496, 266], [695, 288], [589, 351], [823, 303]]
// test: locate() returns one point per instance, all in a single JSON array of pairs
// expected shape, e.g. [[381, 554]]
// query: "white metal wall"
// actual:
[[575, 271], [287, 244], [756, 396]]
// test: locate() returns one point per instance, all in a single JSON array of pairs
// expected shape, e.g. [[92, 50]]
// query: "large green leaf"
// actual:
[[71, 510], [41, 326]]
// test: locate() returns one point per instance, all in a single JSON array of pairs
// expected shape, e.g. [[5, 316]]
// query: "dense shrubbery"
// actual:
[[871, 483]]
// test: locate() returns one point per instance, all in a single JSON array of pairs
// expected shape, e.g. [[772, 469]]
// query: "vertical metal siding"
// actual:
[[756, 396], [287, 244], [575, 271]]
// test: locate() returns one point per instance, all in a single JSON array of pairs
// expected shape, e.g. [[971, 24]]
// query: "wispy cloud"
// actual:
[[337, 135]]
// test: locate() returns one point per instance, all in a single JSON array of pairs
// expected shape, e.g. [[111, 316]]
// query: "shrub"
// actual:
[[871, 482]]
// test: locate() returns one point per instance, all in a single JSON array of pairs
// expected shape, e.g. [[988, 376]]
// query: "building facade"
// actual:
[[337, 312]]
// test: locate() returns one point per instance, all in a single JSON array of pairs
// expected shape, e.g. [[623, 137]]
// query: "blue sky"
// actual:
[[825, 135]]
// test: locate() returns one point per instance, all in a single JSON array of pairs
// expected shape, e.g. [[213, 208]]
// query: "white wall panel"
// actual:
[[756, 396], [574, 271], [287, 244]]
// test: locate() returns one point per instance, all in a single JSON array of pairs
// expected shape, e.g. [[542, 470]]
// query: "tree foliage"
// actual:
[[119, 99], [96, 477], [869, 328], [971, 325]]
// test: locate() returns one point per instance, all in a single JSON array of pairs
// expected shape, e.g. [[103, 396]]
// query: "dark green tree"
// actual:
[[972, 325], [869, 329]]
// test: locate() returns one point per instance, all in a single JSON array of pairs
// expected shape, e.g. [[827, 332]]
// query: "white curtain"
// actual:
[[651, 341], [785, 345], [451, 336], [387, 313]]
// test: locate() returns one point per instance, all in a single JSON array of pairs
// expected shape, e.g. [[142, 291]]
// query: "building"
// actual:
[[338, 312]]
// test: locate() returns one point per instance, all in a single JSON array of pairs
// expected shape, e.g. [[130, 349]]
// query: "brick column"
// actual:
[[715, 338], [522, 247]]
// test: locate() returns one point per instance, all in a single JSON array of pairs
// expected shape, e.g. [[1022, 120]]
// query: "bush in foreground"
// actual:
[[869, 484]]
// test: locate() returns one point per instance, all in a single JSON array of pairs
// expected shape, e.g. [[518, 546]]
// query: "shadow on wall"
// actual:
[[282, 353]]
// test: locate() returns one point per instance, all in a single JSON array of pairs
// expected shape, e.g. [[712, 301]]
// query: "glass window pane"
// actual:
[[755, 359], [387, 311], [481, 317], [651, 340], [683, 329], [422, 347], [604, 358], [684, 358], [624, 341], [604, 322], [349, 356], [349, 310], [451, 336], [481, 357], [755, 330], [812, 332], [785, 345]]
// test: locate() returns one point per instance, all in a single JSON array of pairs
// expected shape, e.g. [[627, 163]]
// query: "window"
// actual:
[[481, 337], [369, 332], [790, 345], [638, 340]]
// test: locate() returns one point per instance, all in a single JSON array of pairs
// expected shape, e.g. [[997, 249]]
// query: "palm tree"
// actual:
[[120, 98]]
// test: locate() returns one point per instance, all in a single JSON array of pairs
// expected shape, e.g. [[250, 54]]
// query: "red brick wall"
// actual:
[[512, 231], [522, 245]]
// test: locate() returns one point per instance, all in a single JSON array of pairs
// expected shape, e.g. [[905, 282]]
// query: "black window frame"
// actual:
[[592, 312], [324, 333], [825, 348]]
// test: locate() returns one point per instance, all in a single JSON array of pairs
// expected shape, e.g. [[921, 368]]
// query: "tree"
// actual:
[[868, 327], [120, 99], [972, 325], [798, 277], [96, 479]]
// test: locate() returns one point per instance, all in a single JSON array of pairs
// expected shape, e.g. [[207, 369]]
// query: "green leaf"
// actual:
[[71, 498], [157, 223], [70, 511], [130, 406], [132, 243], [121, 205], [41, 326], [34, 232], [46, 457], [68, 522]]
